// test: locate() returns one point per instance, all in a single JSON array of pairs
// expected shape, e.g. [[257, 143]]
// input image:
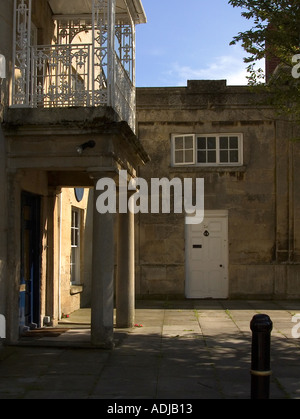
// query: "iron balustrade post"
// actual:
[[261, 326]]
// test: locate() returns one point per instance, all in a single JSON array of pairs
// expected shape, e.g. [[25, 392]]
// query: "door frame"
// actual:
[[208, 214], [34, 294]]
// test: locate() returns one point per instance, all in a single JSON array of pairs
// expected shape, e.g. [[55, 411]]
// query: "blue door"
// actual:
[[29, 312]]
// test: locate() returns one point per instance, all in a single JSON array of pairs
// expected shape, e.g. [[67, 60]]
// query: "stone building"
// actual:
[[249, 243], [68, 120]]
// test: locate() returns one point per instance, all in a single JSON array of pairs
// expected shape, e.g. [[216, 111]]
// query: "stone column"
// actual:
[[102, 303], [52, 268], [3, 226], [125, 290]]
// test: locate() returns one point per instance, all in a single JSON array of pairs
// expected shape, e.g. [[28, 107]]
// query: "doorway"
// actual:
[[29, 303], [207, 257]]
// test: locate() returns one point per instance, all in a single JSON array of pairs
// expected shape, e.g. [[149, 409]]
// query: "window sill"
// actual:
[[76, 289], [207, 169]]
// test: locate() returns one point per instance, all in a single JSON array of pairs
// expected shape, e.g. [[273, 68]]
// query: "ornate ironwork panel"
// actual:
[[125, 48], [100, 42], [61, 75], [124, 95], [68, 28], [21, 53]]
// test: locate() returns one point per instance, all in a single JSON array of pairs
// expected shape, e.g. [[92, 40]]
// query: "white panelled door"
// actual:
[[207, 257]]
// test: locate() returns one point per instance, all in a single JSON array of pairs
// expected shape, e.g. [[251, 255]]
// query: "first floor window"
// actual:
[[184, 149], [75, 246], [207, 150]]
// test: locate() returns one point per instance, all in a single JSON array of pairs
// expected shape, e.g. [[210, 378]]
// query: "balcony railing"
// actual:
[[97, 72], [67, 75], [61, 76]]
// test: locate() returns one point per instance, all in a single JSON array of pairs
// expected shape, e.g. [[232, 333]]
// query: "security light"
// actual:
[[89, 144]]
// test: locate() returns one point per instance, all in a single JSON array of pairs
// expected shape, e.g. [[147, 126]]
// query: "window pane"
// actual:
[[201, 156], [211, 143], [201, 143], [74, 219], [178, 143], [224, 156], [178, 156], [211, 157], [73, 255], [189, 156], [74, 237], [234, 156], [73, 265], [234, 143], [75, 228], [224, 143], [189, 143]]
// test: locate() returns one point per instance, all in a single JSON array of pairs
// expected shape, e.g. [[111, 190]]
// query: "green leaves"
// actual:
[[275, 34]]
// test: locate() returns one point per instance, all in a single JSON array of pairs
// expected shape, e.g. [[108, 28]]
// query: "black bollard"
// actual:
[[261, 326]]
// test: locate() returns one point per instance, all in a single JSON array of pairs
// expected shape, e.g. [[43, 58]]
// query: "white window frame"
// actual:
[[218, 163], [184, 136]]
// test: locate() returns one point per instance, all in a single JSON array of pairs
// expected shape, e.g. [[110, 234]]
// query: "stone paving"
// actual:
[[184, 350]]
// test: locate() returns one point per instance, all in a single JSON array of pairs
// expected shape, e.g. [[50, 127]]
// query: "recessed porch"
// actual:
[[42, 158]]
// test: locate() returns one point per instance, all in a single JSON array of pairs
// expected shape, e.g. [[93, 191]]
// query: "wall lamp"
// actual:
[[82, 147]]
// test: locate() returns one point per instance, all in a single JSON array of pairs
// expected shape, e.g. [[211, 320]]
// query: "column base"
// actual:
[[103, 345]]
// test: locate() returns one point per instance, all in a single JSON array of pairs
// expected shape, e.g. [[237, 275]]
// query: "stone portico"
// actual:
[[59, 165], [68, 120]]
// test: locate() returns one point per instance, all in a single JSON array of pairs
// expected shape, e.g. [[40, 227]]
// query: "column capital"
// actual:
[[54, 190]]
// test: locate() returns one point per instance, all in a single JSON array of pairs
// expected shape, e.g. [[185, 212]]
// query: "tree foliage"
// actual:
[[275, 34]]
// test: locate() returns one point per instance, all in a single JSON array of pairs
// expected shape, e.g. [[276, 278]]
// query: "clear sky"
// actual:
[[189, 40]]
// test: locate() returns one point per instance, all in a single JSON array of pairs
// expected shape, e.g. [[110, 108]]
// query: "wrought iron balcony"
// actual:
[[97, 72]]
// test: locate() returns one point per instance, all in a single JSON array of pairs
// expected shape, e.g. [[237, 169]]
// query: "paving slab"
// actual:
[[192, 349]]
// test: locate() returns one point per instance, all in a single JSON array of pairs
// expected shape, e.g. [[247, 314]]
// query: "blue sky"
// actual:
[[189, 40]]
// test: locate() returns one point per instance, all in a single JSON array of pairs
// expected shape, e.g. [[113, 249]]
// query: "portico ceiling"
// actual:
[[80, 7]]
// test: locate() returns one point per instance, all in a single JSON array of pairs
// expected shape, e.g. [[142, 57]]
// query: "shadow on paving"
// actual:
[[146, 366], [214, 367], [186, 350]]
